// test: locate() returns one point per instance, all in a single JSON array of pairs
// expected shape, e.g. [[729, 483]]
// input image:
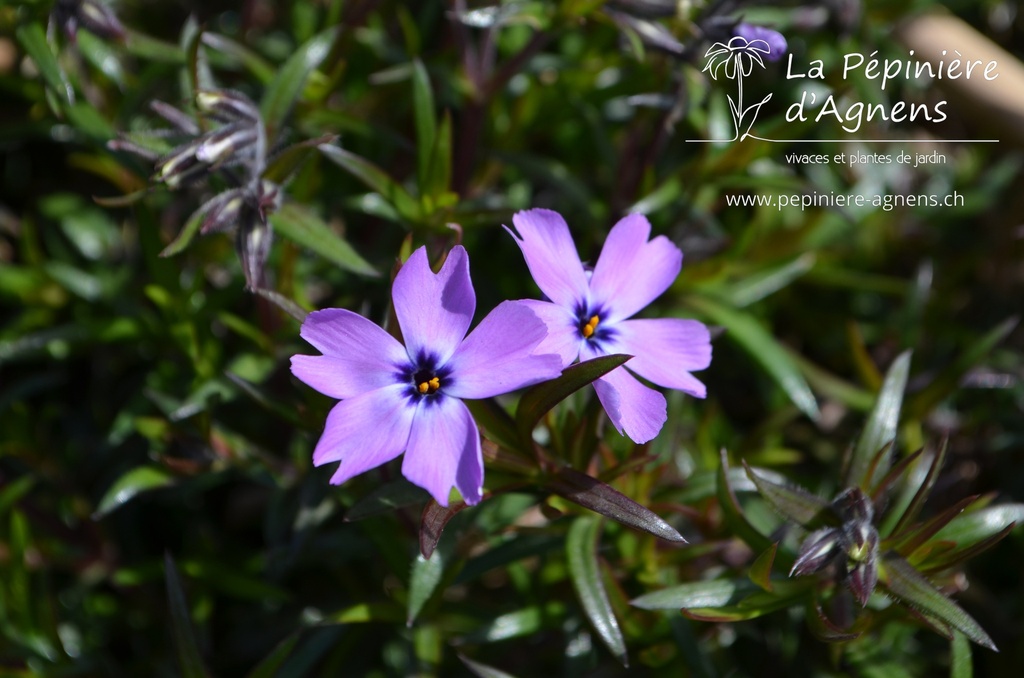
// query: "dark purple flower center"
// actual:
[[589, 323], [425, 376]]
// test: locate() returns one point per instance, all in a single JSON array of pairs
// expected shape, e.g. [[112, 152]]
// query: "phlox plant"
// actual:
[[355, 338]]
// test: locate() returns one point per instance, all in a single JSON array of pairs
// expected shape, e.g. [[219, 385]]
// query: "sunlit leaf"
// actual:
[[591, 493], [881, 427], [302, 226], [907, 584], [138, 480], [746, 331], [281, 94], [33, 38], [581, 553], [791, 501], [761, 570]]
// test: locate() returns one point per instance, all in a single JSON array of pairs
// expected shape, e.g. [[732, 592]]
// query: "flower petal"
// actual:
[[666, 350], [564, 339], [434, 311], [366, 431], [358, 355], [632, 272], [551, 255], [444, 450], [500, 355], [633, 409]]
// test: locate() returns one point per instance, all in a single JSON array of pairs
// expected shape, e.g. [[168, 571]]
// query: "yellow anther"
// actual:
[[424, 387], [588, 330], [435, 384], [594, 320], [591, 326]]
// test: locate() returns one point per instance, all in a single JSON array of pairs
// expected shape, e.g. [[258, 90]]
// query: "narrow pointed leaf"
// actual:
[[948, 380], [286, 88], [907, 584], [824, 628], [189, 661], [272, 663], [432, 523], [426, 121], [956, 555], [732, 512], [753, 338], [761, 570], [483, 670], [591, 493], [581, 554], [907, 543], [960, 664], [539, 400], [377, 179], [705, 594], [304, 227], [880, 492], [793, 502], [756, 605], [881, 426], [284, 164], [33, 38], [121, 200], [439, 174], [757, 286], [185, 236], [138, 480], [427, 574], [283, 303], [974, 526], [908, 507]]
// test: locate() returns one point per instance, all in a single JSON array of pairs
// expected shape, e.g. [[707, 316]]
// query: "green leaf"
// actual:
[[581, 554], [907, 506], [907, 584], [426, 575], [591, 493], [33, 38], [960, 664], [302, 226], [285, 163], [974, 526], [284, 90], [483, 670], [496, 422], [189, 661], [362, 613], [283, 303], [793, 502], [14, 491], [139, 479], [185, 236], [426, 123], [439, 172], [539, 400], [377, 179], [949, 379], [732, 512], [527, 621], [714, 593], [761, 570], [272, 663], [756, 605], [758, 285], [227, 50], [751, 336], [880, 429]]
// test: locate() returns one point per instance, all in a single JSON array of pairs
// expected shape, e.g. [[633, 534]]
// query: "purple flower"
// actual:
[[397, 398], [588, 316], [775, 41]]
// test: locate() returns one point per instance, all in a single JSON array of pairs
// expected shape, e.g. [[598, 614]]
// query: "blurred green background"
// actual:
[[147, 411]]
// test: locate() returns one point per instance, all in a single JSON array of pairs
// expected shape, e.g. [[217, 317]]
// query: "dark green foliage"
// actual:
[[159, 511]]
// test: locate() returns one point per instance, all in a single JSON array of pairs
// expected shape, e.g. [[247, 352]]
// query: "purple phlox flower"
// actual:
[[397, 398], [752, 33], [590, 317], [749, 45]]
